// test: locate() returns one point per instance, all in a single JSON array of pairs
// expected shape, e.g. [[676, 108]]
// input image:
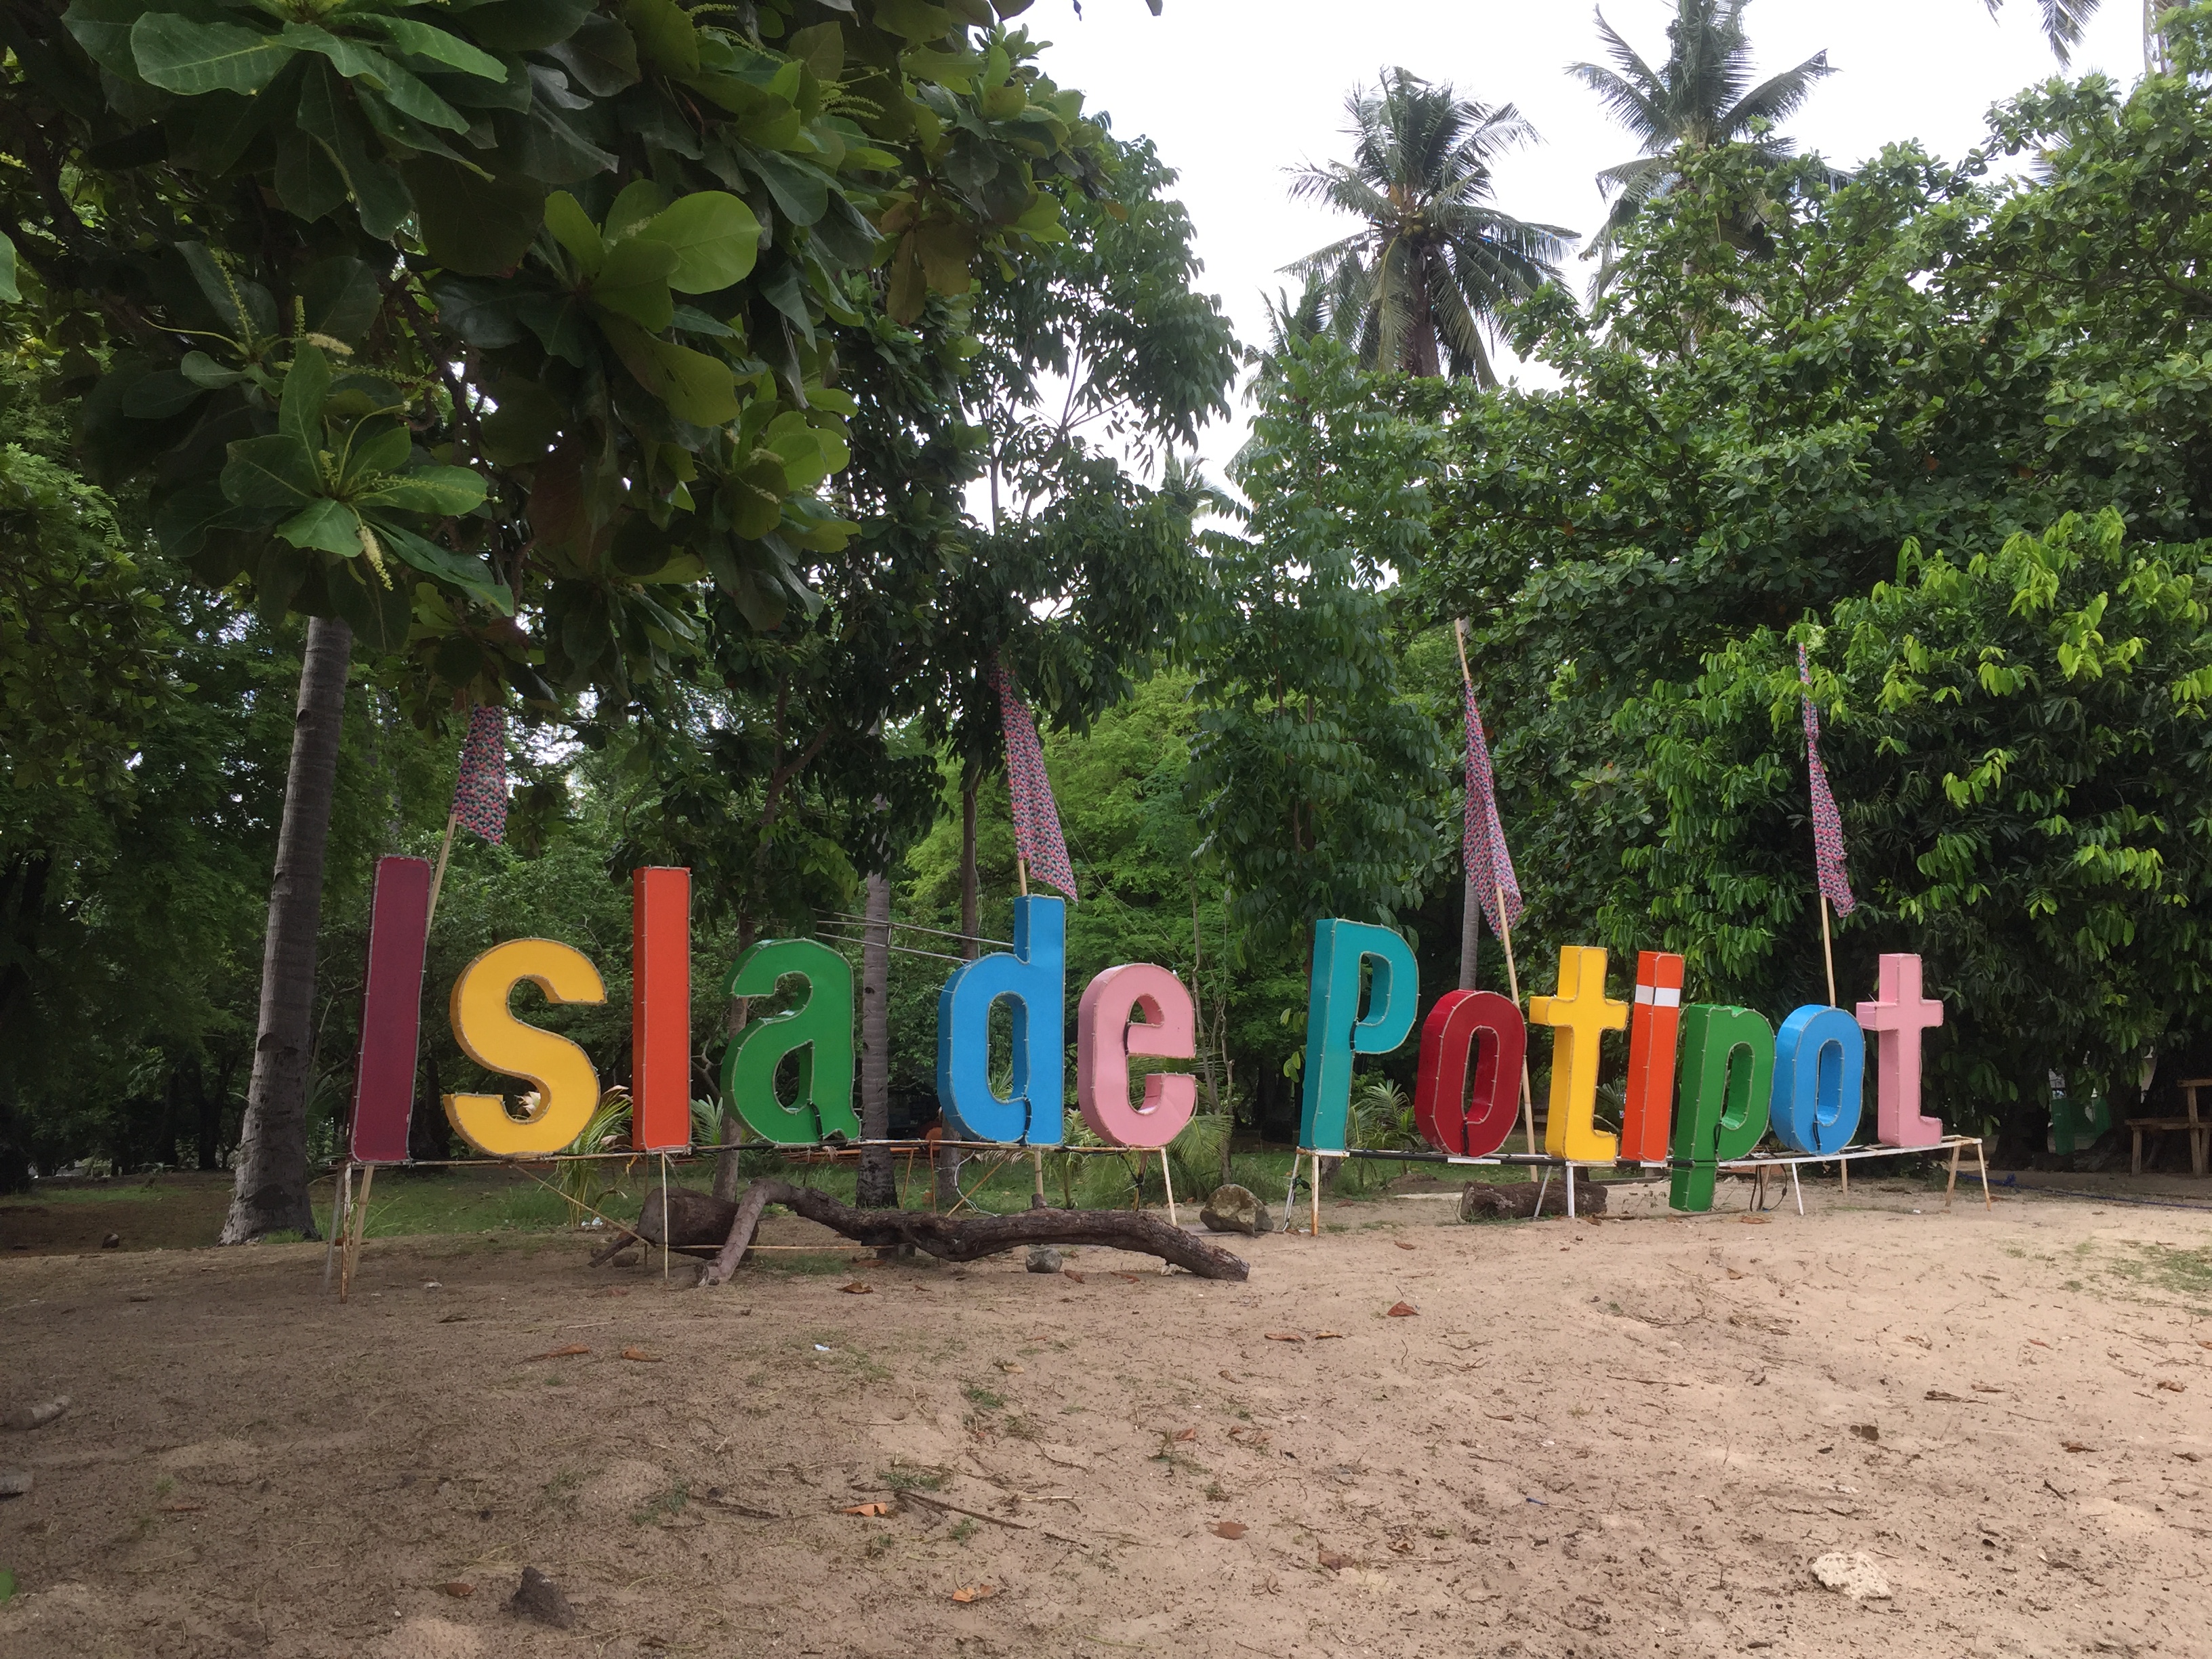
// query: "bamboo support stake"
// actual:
[[1982, 1157], [340, 1192], [1952, 1184], [444, 846], [1828, 951], [1513, 983], [664, 1229], [1036, 1177], [1313, 1187], [349, 1257], [1022, 875]]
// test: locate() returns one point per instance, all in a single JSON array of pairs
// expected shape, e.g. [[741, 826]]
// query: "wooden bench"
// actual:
[[2199, 1131]]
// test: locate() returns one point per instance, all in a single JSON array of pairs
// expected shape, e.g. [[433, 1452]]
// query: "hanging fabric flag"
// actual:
[[1036, 819], [480, 791], [1827, 823], [1489, 866]]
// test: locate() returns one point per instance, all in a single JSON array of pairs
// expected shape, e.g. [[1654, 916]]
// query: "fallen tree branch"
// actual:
[[691, 1218]]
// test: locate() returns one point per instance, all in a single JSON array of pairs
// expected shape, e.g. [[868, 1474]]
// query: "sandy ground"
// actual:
[[1639, 1449]]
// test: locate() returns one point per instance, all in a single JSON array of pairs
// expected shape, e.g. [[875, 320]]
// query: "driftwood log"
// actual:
[[694, 1221]]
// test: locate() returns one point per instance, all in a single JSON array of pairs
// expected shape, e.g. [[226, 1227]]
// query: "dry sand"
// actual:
[[1639, 1449]]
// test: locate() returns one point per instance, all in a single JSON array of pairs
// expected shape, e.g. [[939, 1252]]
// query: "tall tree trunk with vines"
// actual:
[[270, 1194]]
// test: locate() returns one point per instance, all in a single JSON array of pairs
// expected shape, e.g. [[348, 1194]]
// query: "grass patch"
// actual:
[[904, 1480], [2185, 1274], [667, 1506], [963, 1532], [977, 1394]]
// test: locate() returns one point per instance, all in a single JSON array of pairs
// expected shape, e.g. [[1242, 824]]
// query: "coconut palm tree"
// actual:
[[1700, 99], [2063, 20], [1423, 279]]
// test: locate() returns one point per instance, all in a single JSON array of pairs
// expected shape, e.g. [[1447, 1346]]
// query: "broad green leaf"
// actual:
[[307, 384], [376, 447], [203, 371], [179, 55], [439, 46], [158, 395], [401, 87], [102, 28], [526, 25], [478, 227], [696, 388], [573, 228], [666, 37], [442, 491], [634, 280], [716, 236], [331, 525], [468, 574], [640, 200], [273, 474], [8, 270]]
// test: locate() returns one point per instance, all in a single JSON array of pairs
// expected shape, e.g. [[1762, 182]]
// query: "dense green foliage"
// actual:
[[676, 449]]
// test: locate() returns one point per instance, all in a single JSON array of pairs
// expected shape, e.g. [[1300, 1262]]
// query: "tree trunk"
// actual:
[[1470, 937], [878, 1187], [271, 1191], [948, 1157], [740, 1009]]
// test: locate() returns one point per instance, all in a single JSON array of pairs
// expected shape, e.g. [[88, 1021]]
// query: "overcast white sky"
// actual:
[[1235, 91]]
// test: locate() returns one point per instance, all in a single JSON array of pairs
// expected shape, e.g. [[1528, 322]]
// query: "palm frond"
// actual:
[[1779, 97]]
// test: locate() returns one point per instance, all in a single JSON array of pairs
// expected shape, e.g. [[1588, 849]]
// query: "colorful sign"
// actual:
[[1736, 1078]]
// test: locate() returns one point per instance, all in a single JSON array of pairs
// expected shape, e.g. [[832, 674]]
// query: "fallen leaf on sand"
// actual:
[[1334, 1562], [1501, 1417], [182, 1508], [1326, 1336], [856, 1288], [573, 1349], [2077, 1446], [1131, 1278], [457, 1591], [1405, 1244], [1402, 1546], [866, 1509], [975, 1593], [1286, 1336], [1070, 1273], [2193, 1457], [1733, 1274], [1756, 1220], [1946, 1396], [1228, 1529], [2173, 1387], [642, 1356], [1866, 1431], [1225, 1376], [2038, 1342], [1400, 1310], [1185, 1434], [1012, 1367], [1988, 1388]]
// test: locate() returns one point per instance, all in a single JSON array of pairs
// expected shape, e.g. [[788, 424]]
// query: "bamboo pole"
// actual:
[[1827, 948], [444, 846], [1513, 983], [1504, 926], [1167, 1184], [340, 1194]]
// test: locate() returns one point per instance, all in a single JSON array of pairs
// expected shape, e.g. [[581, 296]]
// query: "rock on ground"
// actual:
[[1234, 1209]]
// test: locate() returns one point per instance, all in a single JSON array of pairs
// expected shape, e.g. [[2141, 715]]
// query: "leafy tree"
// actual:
[[1701, 98], [1419, 285], [1925, 356], [2018, 741], [384, 301], [1315, 774]]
